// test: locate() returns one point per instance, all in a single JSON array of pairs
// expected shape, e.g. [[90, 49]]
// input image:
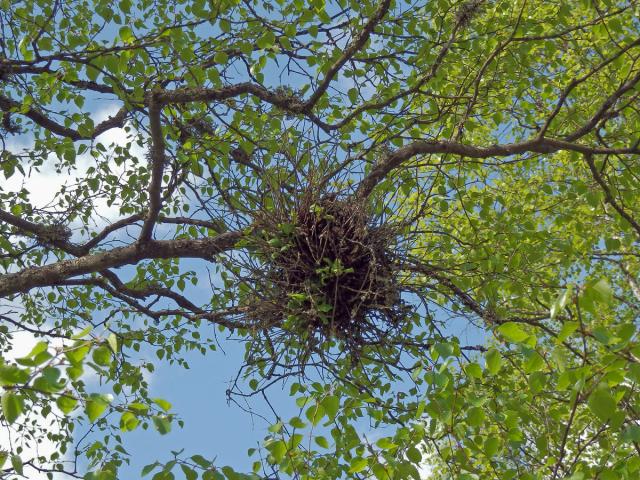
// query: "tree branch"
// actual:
[[117, 121], [158, 160], [55, 235], [609, 198], [421, 147], [352, 49], [54, 274]]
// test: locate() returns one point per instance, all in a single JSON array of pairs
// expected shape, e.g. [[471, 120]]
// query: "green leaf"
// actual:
[[287, 228], [13, 375], [83, 333], [603, 291], [386, 444], [162, 424], [126, 34], [277, 449], [38, 349], [77, 353], [382, 472], [112, 340], [74, 372], [473, 370], [491, 446], [102, 356], [12, 406], [149, 468], [92, 73], [315, 413], [561, 301], [24, 50], [534, 362], [513, 332], [475, 416], [602, 403], [358, 464], [567, 329], [201, 461], [296, 422], [221, 58], [321, 441], [138, 407], [66, 403], [266, 41], [493, 360], [163, 404], [96, 405], [125, 6], [331, 404], [444, 349], [189, 473], [16, 463], [128, 422], [632, 433], [414, 455], [225, 25], [276, 427]]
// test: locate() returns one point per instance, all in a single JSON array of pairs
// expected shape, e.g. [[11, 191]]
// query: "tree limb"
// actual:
[[54, 274], [421, 147]]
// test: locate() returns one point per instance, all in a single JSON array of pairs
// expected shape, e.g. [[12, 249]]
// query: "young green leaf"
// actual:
[[162, 424], [16, 463], [96, 405], [12, 406], [602, 403], [513, 332], [66, 403]]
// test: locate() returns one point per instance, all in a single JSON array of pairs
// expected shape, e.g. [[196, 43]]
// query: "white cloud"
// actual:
[[425, 470]]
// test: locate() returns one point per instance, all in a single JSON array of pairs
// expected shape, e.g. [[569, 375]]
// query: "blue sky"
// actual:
[[213, 428]]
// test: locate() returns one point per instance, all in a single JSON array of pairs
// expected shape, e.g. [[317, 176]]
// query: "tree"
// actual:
[[348, 188]]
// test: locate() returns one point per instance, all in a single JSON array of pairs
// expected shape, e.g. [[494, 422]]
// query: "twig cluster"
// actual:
[[328, 272]]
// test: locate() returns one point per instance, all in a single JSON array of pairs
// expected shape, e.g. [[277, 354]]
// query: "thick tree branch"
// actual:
[[421, 147], [157, 162], [117, 121], [46, 234], [54, 274], [187, 95]]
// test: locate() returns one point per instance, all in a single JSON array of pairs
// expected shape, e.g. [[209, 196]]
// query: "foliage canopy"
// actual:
[[422, 214]]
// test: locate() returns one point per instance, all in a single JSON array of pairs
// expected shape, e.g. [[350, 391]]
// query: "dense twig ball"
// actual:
[[327, 272]]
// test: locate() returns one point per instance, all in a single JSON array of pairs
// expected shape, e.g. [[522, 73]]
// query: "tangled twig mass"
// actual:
[[328, 272]]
